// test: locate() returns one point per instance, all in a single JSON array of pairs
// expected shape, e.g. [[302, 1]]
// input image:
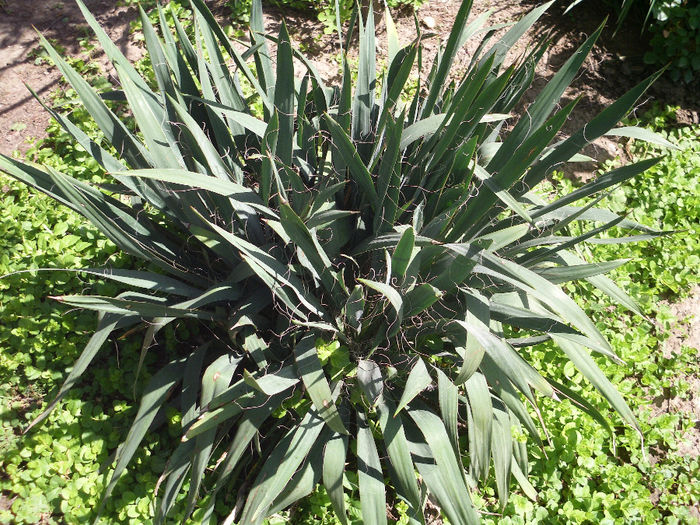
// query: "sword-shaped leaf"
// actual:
[[128, 307], [446, 480], [333, 469], [280, 466], [369, 473], [311, 373], [152, 399], [418, 380]]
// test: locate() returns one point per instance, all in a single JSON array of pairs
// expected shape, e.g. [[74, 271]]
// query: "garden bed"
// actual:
[[37, 353]]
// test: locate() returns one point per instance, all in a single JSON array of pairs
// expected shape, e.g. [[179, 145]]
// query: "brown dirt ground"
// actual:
[[610, 70], [21, 116], [685, 333]]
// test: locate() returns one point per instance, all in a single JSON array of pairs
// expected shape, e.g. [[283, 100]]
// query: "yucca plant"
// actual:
[[372, 272]]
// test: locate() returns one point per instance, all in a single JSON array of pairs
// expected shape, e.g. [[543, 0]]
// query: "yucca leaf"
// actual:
[[153, 397], [458, 112], [263, 62], [418, 380], [191, 385], [110, 48], [399, 70], [369, 473], [136, 278], [113, 128], [423, 128], [227, 89], [402, 254], [309, 245], [224, 124], [215, 417], [273, 381], [507, 359], [507, 41], [268, 172], [127, 307], [246, 200], [388, 179], [311, 373], [333, 468], [304, 480], [398, 449], [505, 391], [560, 274], [482, 417], [239, 396], [446, 480], [246, 429], [174, 476], [212, 28], [524, 483], [322, 219], [370, 378], [363, 98], [590, 371], [392, 37], [176, 60], [284, 97], [134, 234], [504, 237], [209, 155], [280, 466], [354, 307], [449, 405], [502, 193], [543, 254], [502, 451], [149, 116], [601, 183], [444, 64], [273, 272], [161, 66], [420, 298], [542, 106], [214, 381], [604, 284], [477, 314], [351, 158], [103, 157], [644, 134], [587, 407], [547, 293], [278, 287], [599, 125], [527, 152], [390, 293], [513, 309], [344, 115], [456, 267]]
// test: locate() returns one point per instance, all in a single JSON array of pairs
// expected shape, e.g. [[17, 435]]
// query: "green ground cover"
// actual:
[[56, 473]]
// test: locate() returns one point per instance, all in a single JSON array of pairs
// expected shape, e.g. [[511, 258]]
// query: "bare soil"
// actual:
[[686, 333], [22, 117]]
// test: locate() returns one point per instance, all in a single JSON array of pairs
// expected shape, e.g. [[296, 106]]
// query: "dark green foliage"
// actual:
[[368, 277], [675, 38]]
